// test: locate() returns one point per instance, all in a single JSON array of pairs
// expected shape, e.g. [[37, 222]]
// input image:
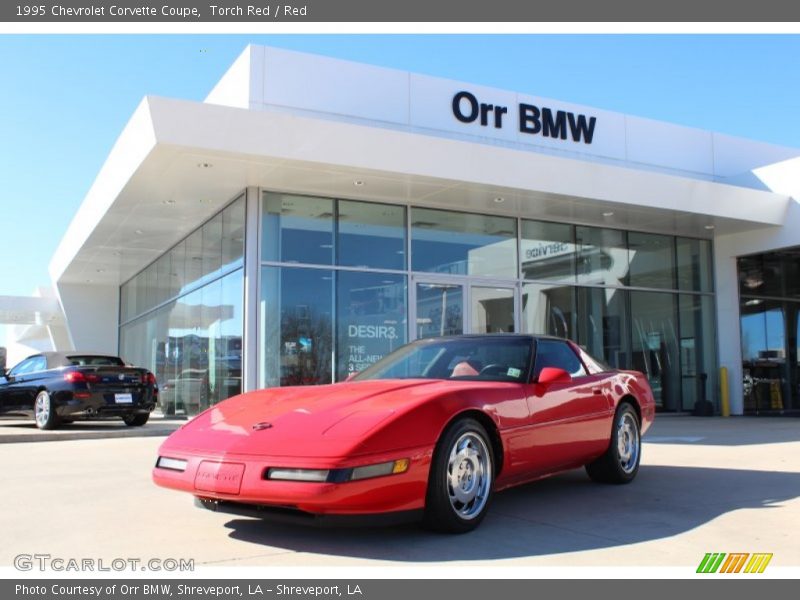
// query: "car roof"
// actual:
[[484, 336], [62, 359]]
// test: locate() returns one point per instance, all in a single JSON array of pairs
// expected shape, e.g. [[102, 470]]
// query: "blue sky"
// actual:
[[64, 99]]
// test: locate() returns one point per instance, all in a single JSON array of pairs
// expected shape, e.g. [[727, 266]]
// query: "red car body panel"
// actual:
[[541, 429]]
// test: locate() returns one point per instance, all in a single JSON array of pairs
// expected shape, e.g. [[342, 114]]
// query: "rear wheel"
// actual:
[[620, 463], [136, 420], [461, 479], [44, 413]]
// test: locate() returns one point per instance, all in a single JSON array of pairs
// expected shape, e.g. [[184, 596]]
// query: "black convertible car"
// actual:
[[61, 387]]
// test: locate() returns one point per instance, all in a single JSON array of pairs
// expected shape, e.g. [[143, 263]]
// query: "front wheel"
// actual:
[[461, 479], [620, 463], [136, 420], [44, 413]]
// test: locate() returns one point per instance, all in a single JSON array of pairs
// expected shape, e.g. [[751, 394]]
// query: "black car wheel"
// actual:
[[44, 412], [461, 479], [136, 420], [620, 463]]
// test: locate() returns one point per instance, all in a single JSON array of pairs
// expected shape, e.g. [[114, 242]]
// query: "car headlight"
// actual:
[[393, 467], [173, 464], [298, 474]]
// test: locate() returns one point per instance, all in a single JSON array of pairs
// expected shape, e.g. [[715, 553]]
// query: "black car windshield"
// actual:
[[95, 361], [468, 358]]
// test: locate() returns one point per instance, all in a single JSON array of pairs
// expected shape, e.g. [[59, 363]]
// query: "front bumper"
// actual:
[[238, 482], [297, 517]]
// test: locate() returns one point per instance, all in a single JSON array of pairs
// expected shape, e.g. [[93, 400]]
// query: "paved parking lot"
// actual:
[[706, 484]]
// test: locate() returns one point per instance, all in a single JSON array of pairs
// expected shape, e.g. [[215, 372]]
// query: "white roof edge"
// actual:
[[134, 143], [286, 136]]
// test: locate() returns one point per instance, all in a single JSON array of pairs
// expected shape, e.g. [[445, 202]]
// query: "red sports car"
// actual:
[[433, 430]]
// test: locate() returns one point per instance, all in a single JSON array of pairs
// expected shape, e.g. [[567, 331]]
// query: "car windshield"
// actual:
[[467, 358], [95, 361]]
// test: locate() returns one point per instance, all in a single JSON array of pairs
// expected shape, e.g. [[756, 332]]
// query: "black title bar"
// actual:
[[438, 11]]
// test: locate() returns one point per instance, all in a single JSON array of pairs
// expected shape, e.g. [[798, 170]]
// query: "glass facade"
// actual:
[[345, 282], [769, 309], [182, 316]]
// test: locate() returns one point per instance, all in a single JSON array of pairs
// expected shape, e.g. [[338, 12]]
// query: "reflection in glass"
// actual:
[[193, 265], [178, 264], [440, 309], [603, 325], [492, 309], [297, 229], [296, 326], [233, 235], [655, 345], [698, 351], [371, 319], [652, 260], [371, 235], [547, 251], [463, 243], [763, 338], [694, 268], [212, 248], [548, 309], [602, 256], [191, 344]]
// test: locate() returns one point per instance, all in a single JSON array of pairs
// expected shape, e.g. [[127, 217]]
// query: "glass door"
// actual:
[[439, 308], [452, 306], [493, 309]]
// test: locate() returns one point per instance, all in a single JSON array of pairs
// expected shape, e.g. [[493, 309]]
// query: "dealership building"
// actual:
[[312, 215]]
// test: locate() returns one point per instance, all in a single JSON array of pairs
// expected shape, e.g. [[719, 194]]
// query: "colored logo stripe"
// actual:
[[713, 562], [734, 562], [758, 563]]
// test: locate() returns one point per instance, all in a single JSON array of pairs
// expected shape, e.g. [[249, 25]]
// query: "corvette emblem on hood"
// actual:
[[262, 425]]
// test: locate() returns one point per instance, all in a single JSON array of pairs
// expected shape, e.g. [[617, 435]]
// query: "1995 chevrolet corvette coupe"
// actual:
[[432, 430]]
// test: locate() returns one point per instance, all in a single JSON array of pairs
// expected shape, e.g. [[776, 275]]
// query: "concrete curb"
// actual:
[[13, 435]]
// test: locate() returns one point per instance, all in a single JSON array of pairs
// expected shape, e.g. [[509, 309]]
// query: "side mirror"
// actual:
[[553, 375]]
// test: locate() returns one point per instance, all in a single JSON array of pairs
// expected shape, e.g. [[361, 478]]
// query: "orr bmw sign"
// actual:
[[532, 119]]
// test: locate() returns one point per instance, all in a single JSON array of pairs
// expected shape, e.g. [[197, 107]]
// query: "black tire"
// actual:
[[136, 420], [473, 466], [44, 412], [620, 463]]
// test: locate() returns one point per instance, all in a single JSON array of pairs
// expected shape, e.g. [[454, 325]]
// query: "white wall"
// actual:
[[92, 313]]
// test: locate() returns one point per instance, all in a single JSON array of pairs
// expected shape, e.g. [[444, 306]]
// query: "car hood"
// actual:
[[307, 421]]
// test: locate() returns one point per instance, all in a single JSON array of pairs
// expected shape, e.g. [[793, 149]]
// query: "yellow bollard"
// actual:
[[724, 392]]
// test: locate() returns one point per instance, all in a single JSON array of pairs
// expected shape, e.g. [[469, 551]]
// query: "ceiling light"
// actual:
[[204, 165], [358, 183], [138, 232], [499, 199], [168, 201], [708, 227], [609, 213], [101, 270]]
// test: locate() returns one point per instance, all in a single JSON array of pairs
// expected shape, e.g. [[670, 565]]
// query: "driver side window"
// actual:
[[26, 366], [553, 353]]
